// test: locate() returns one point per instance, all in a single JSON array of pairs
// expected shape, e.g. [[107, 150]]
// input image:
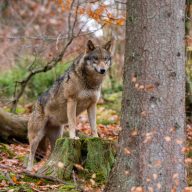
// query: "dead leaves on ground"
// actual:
[[12, 158]]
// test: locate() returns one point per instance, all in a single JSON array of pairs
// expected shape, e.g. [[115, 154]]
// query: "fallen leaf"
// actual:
[[79, 167]]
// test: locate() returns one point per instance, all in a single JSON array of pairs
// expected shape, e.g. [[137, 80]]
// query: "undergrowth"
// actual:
[[38, 84]]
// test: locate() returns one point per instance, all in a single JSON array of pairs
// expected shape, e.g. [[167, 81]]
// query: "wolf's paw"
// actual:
[[95, 135], [29, 168], [76, 138]]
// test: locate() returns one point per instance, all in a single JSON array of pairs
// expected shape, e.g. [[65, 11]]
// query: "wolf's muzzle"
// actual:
[[102, 71]]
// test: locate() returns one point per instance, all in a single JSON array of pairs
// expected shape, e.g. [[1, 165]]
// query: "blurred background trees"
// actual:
[[34, 33]]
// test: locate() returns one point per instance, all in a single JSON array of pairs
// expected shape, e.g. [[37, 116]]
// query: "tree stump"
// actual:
[[86, 155]]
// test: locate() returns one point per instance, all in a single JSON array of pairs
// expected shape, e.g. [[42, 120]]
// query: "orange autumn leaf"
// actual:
[[99, 11], [68, 4], [127, 151], [120, 21], [81, 11], [40, 182], [60, 2], [63, 7], [109, 15], [100, 14], [106, 21], [14, 178], [149, 87], [157, 163]]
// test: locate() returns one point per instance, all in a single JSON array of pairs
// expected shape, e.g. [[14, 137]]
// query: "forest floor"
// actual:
[[13, 157]]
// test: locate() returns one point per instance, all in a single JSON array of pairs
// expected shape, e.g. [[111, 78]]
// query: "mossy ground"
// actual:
[[4, 148]]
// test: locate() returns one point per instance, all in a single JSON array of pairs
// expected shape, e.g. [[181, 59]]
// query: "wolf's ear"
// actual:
[[90, 46], [107, 46]]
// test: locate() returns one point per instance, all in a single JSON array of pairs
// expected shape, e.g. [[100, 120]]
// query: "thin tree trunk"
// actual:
[[12, 126], [153, 107]]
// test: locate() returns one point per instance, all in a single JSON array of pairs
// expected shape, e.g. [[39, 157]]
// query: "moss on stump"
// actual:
[[87, 156]]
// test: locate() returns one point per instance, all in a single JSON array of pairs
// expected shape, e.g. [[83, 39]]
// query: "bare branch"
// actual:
[[50, 178], [69, 20], [46, 68]]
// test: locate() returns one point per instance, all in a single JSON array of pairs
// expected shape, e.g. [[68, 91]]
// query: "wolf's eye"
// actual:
[[95, 58], [107, 58]]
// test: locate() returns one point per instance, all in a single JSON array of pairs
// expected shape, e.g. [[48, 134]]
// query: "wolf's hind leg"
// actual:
[[42, 149], [36, 132]]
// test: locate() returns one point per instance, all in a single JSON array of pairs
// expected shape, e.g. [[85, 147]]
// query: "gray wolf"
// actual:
[[74, 92]]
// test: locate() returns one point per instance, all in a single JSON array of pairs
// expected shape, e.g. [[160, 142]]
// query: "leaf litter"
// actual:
[[12, 160]]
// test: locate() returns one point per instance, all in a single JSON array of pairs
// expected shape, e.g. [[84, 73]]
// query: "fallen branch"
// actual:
[[50, 178], [12, 126]]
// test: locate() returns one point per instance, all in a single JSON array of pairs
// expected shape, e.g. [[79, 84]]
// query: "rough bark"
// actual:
[[153, 107], [88, 156], [12, 126]]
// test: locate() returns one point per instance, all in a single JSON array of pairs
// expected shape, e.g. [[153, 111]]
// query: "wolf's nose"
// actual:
[[102, 71]]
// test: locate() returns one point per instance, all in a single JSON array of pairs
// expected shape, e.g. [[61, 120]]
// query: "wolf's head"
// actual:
[[98, 58]]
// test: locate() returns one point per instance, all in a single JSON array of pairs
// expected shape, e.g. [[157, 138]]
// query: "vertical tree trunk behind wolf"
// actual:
[[153, 108]]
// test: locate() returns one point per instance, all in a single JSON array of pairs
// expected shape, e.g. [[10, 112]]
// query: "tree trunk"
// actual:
[[88, 155], [153, 107], [12, 126]]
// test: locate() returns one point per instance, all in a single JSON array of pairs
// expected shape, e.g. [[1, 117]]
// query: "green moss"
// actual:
[[63, 158], [2, 177], [113, 101], [105, 121], [30, 179], [189, 154], [19, 188], [69, 187], [100, 158], [5, 149], [94, 154]]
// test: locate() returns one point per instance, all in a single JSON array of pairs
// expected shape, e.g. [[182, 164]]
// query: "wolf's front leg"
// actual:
[[71, 115], [92, 119]]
